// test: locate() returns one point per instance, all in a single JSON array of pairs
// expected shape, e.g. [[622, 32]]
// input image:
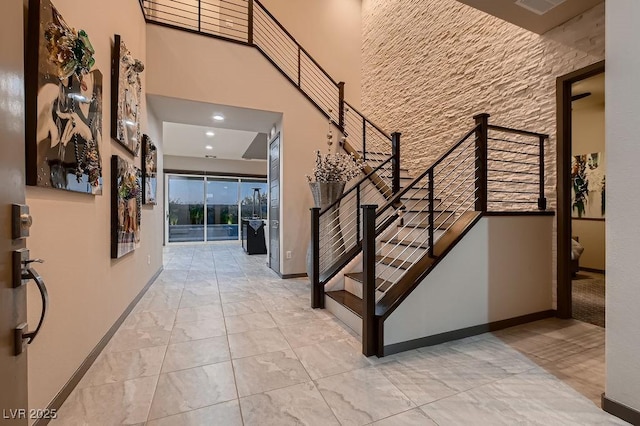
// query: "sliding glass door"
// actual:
[[200, 209]]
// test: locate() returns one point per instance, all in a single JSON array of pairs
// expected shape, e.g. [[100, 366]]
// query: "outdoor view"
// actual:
[[214, 204]]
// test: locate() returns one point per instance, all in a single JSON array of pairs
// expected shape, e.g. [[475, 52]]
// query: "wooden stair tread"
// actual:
[[348, 300], [397, 242]]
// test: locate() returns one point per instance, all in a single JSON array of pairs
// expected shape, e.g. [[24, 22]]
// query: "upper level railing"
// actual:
[[248, 22]]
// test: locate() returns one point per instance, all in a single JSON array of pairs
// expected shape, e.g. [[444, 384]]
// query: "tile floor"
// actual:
[[221, 340]]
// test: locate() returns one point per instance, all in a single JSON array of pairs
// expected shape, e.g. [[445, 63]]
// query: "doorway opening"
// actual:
[[581, 167]]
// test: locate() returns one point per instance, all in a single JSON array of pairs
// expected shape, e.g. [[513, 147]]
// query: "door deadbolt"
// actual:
[[21, 221]]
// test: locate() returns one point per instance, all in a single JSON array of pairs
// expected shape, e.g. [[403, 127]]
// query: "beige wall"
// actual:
[[330, 30], [88, 291], [498, 282], [588, 136], [247, 80], [623, 198], [429, 65], [175, 162]]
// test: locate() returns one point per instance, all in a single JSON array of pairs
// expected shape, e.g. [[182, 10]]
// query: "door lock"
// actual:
[[21, 221]]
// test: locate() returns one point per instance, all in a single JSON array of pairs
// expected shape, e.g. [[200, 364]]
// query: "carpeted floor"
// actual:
[[588, 297]]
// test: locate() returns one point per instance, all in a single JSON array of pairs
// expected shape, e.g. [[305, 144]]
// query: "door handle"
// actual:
[[27, 274]]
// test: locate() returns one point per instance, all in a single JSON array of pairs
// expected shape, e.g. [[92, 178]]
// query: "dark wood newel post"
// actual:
[[431, 213], [542, 200], [482, 134], [317, 290], [341, 105], [250, 22], [369, 329], [395, 152]]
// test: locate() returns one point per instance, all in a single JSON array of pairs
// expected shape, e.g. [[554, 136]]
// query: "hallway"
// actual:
[[220, 339]]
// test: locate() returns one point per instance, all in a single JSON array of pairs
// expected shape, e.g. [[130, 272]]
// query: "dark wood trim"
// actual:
[[624, 412], [598, 271], [62, 396], [593, 219], [531, 213], [448, 336], [206, 173], [114, 206], [563, 153], [288, 276], [32, 51]]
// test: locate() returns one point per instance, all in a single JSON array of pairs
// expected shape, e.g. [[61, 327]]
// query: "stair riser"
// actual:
[[418, 234], [441, 223], [388, 273], [411, 254], [355, 287], [418, 204]]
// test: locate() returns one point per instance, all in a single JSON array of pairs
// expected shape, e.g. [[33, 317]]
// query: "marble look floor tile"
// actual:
[[493, 351], [241, 308], [362, 396], [112, 367], [533, 397], [415, 417], [199, 313], [286, 318], [248, 322], [185, 331], [181, 356], [334, 357], [313, 332], [225, 413], [164, 319], [199, 296], [122, 403], [138, 338], [238, 296], [296, 405], [187, 390], [269, 371], [257, 342], [284, 303]]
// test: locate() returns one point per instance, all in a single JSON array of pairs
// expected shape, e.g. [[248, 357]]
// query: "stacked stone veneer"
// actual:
[[430, 65]]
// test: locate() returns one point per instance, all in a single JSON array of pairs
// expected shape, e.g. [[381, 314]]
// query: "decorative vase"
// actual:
[[325, 194]]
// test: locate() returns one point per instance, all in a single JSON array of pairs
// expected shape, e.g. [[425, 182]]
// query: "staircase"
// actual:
[[375, 245]]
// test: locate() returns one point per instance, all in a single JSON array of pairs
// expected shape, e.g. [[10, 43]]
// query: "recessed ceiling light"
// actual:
[[209, 147], [218, 117], [210, 134]]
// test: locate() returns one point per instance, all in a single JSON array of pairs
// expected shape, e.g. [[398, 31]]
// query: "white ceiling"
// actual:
[[509, 11], [187, 140], [185, 124]]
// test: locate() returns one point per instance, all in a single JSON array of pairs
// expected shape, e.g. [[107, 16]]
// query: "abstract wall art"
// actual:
[[150, 172], [126, 201], [126, 97], [64, 105], [588, 186]]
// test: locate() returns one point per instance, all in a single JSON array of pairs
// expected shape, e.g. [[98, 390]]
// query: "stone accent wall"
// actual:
[[428, 66]]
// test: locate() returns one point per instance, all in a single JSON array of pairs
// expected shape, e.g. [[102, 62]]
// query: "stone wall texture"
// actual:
[[428, 66]]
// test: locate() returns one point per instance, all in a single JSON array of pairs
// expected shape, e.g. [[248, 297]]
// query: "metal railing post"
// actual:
[[369, 332], [395, 163], [542, 200], [431, 209], [358, 214], [299, 65], [317, 290], [482, 135], [364, 139], [250, 22], [199, 15], [341, 104]]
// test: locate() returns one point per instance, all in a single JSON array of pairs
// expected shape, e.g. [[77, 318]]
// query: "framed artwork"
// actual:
[[126, 201], [150, 172], [588, 186], [126, 97], [64, 105]]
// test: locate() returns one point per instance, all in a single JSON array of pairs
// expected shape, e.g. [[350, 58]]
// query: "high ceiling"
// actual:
[[186, 123], [510, 11]]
